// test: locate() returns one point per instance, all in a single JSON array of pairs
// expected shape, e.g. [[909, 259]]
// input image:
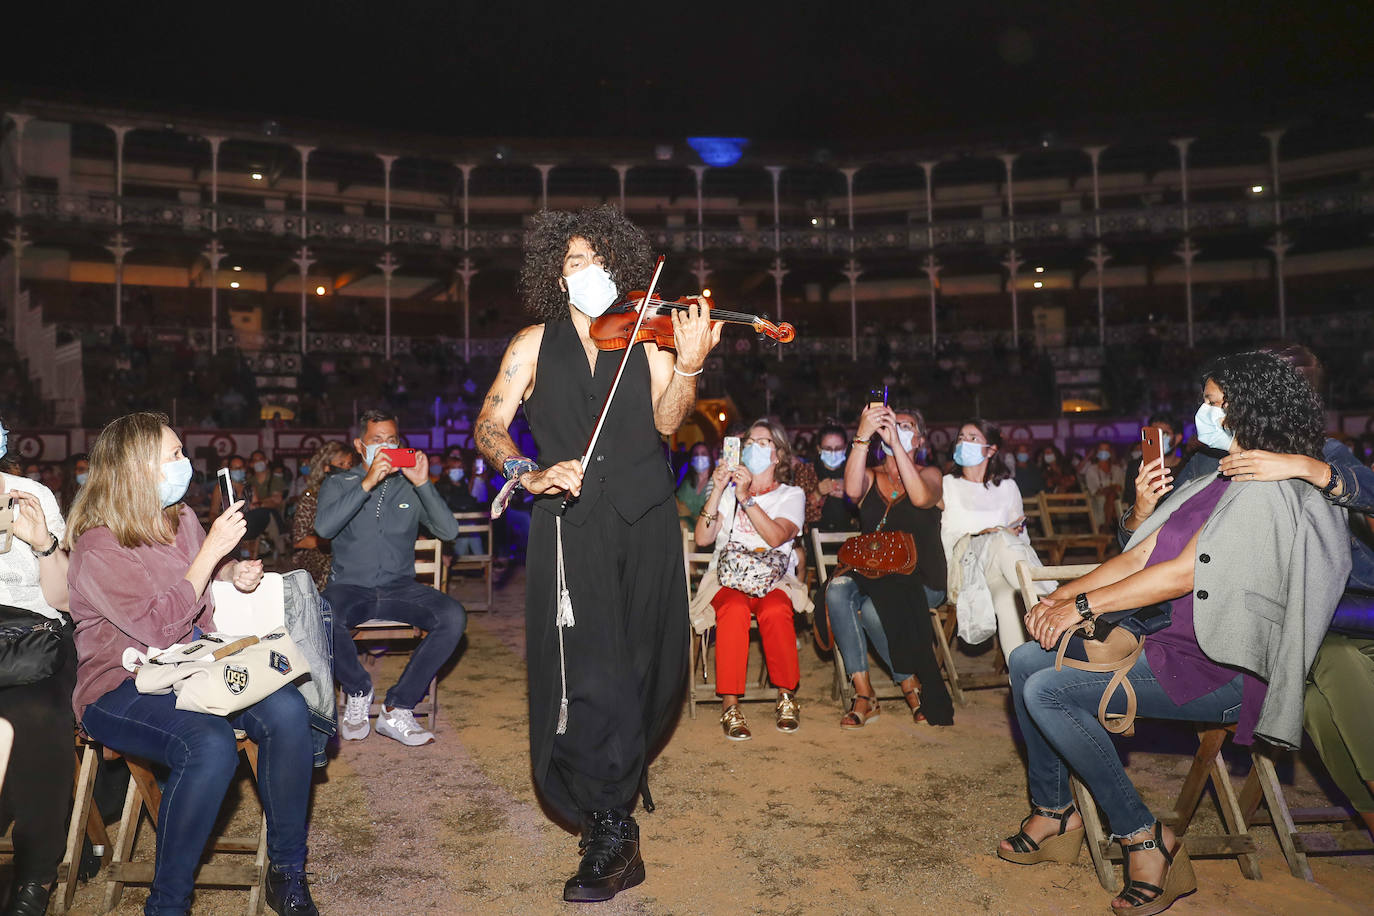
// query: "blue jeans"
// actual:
[[852, 616], [408, 601], [199, 750], [1057, 714]]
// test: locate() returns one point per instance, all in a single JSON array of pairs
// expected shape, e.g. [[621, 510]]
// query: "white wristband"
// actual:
[[688, 374]]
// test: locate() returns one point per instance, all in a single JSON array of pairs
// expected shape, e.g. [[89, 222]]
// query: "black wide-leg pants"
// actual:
[[626, 656]]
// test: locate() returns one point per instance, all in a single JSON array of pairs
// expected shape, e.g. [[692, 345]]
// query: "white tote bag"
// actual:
[[219, 674]]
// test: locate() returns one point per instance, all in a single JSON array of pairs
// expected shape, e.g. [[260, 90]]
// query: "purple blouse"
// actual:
[[1183, 670]]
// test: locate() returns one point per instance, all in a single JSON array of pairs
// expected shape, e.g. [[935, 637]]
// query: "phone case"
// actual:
[[1151, 445], [729, 452]]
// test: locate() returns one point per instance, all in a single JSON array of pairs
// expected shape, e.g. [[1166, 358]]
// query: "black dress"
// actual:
[[901, 601], [626, 655]]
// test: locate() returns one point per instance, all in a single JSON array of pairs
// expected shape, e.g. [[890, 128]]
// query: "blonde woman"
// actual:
[[140, 572], [769, 513], [309, 546]]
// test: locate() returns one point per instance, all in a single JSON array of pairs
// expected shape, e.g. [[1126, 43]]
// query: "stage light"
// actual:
[[238, 267], [815, 221], [721, 416], [1257, 189], [718, 151], [1037, 284], [319, 290], [706, 292], [1040, 270], [256, 176], [234, 285]]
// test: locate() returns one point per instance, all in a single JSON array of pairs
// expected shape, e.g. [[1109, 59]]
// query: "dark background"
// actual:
[[838, 74]]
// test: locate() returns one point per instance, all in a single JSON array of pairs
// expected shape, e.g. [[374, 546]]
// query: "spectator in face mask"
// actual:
[[78, 466], [836, 512], [696, 476], [1058, 473], [1103, 479], [455, 487], [1172, 461], [1029, 478]]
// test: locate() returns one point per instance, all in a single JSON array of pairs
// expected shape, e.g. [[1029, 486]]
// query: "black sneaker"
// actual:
[[288, 894], [610, 858]]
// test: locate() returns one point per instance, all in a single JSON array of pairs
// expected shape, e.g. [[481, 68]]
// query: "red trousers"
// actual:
[[776, 631]]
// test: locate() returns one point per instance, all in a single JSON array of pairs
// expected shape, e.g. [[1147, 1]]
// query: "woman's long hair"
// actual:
[[782, 448], [321, 463], [121, 486], [1269, 404]]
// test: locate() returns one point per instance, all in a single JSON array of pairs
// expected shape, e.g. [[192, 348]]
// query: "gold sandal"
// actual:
[[1148, 899], [852, 719], [733, 724], [1063, 847]]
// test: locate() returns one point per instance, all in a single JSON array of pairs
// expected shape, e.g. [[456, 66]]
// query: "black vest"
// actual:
[[629, 467]]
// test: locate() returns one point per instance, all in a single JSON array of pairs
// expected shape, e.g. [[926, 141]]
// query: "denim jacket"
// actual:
[[1357, 495], [309, 621]]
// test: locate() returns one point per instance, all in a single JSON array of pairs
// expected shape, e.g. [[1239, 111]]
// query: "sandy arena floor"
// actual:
[[894, 818]]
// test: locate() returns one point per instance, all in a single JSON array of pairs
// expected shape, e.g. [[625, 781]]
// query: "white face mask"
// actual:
[[832, 457], [591, 290], [701, 463], [1210, 432], [906, 437]]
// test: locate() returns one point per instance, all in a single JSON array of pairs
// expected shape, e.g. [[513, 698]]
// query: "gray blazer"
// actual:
[[1272, 561]]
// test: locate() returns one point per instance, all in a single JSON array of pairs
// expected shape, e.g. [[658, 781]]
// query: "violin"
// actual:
[[611, 331]]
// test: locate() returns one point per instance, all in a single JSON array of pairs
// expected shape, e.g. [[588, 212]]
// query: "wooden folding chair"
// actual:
[[429, 564], [1069, 526], [478, 524], [85, 821], [144, 797], [698, 647], [1262, 786], [826, 547]]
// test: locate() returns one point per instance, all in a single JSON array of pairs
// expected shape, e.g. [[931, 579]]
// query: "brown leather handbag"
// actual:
[[879, 553]]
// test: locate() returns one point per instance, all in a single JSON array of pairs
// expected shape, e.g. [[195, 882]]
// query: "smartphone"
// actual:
[[1151, 445], [400, 457], [729, 452], [877, 396], [6, 521], [226, 489]]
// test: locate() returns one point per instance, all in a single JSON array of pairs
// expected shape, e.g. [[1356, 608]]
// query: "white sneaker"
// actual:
[[401, 725], [354, 726]]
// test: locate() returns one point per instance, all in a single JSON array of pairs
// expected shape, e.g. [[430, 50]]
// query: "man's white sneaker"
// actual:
[[354, 726], [401, 725]]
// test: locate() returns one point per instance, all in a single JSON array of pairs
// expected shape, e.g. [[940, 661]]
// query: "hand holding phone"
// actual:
[[400, 457], [877, 396], [729, 452], [1151, 445], [226, 489]]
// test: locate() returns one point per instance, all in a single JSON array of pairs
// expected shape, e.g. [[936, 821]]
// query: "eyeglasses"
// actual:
[[765, 441]]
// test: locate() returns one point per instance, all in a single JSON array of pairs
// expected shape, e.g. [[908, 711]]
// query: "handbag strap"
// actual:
[[234, 647], [886, 502], [1119, 668]]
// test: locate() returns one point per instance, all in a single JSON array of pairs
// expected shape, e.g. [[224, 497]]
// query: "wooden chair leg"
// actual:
[[1210, 742], [124, 844], [1094, 834], [1263, 775], [1232, 818], [947, 660], [690, 692], [256, 895], [85, 821]]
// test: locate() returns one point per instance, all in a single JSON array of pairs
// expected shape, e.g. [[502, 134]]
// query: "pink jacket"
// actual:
[[122, 597]]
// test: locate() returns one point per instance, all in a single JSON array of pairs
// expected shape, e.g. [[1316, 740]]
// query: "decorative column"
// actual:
[[1099, 256], [388, 266], [621, 169], [777, 270], [851, 267], [18, 240], [305, 152], [1279, 245], [1186, 251], [214, 253], [932, 265], [118, 246], [544, 169], [466, 272], [700, 270], [303, 261], [1012, 263], [214, 181], [387, 160], [466, 168]]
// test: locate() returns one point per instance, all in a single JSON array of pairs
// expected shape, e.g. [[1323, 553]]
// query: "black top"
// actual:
[[837, 513], [630, 466], [924, 525]]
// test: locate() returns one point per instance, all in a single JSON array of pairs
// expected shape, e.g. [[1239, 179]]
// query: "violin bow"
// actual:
[[619, 372]]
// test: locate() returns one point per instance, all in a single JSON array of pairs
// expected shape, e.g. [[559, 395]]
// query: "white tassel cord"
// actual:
[[563, 619]]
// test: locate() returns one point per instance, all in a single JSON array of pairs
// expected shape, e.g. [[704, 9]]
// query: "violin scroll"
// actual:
[[782, 332]]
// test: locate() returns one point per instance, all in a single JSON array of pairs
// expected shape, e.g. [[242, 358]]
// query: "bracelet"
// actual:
[[1080, 602], [1331, 483], [858, 441], [688, 374], [513, 468], [49, 552], [708, 517]]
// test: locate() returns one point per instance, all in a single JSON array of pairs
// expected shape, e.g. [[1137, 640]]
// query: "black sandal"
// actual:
[[852, 720], [1146, 899], [1062, 847]]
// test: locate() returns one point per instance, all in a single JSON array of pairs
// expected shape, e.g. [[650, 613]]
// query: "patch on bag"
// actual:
[[273, 636], [193, 649], [279, 663], [236, 678]]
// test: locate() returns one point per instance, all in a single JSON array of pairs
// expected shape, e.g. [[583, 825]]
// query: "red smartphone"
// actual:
[[1151, 445], [400, 457]]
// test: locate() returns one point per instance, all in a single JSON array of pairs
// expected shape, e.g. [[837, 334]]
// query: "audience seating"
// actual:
[[1067, 522], [825, 547], [479, 524], [145, 794], [429, 564], [698, 647]]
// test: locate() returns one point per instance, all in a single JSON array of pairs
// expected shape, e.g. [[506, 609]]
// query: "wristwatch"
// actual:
[[49, 552], [1080, 602], [751, 501]]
